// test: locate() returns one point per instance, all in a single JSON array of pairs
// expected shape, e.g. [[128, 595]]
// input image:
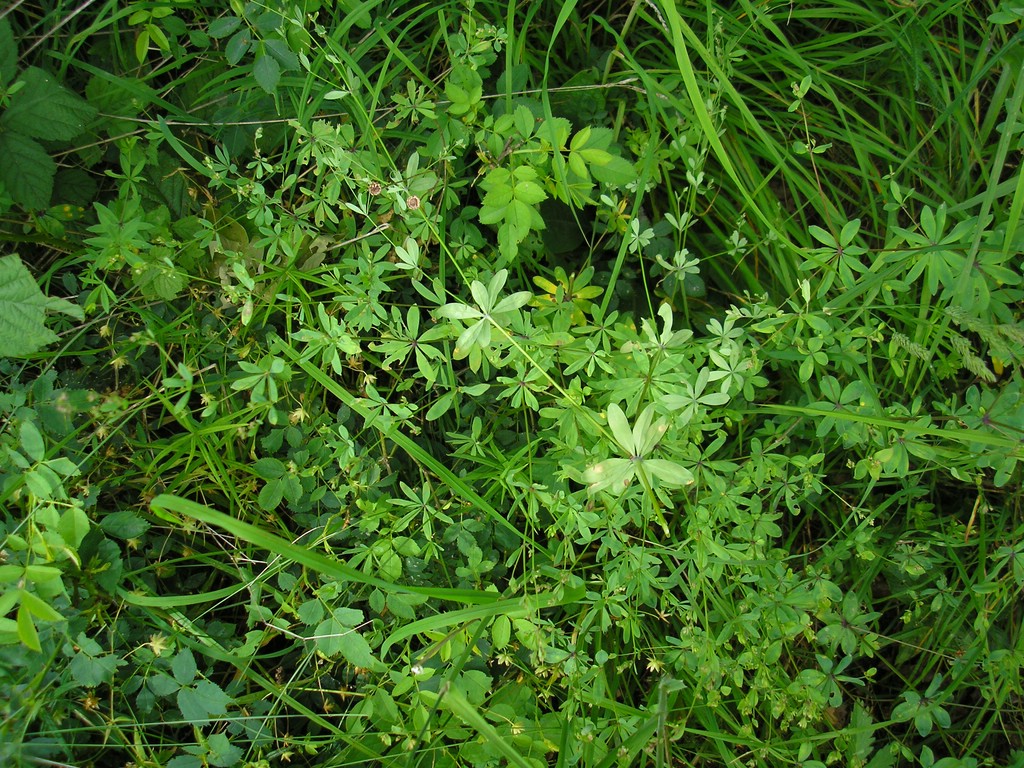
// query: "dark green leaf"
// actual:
[[91, 670], [223, 26], [202, 701], [27, 171], [124, 524], [271, 495], [45, 110], [284, 55], [8, 53], [238, 46], [161, 684], [267, 72]]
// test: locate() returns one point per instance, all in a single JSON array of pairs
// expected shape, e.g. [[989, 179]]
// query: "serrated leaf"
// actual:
[[202, 701], [271, 495], [269, 468], [223, 26], [222, 753], [162, 684], [124, 524], [91, 670], [311, 612], [267, 72], [618, 172], [183, 667], [22, 308], [238, 46], [27, 171], [42, 109], [348, 617], [356, 651], [285, 56]]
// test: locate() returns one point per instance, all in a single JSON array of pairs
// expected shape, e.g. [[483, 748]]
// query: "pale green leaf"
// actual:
[[27, 630], [510, 303], [619, 426], [22, 310], [668, 472], [73, 526], [458, 312], [40, 608]]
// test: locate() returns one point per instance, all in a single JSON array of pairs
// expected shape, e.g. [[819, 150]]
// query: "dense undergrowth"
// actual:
[[521, 384]]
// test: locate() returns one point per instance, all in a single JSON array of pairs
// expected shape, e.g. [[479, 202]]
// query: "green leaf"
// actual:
[[356, 651], [22, 307], [73, 526], [42, 109], [455, 701], [501, 632], [619, 426], [183, 667], [90, 668], [124, 524], [311, 559], [238, 46], [27, 171], [223, 26], [222, 753], [161, 684], [285, 56], [617, 172], [32, 441], [267, 73], [271, 495], [40, 609], [269, 468], [202, 701], [357, 12], [27, 630]]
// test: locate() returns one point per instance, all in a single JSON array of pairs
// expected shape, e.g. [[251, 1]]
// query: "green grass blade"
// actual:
[[165, 503]]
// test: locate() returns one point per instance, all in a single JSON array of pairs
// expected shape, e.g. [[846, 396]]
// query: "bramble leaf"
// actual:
[[42, 109], [22, 309], [27, 171]]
